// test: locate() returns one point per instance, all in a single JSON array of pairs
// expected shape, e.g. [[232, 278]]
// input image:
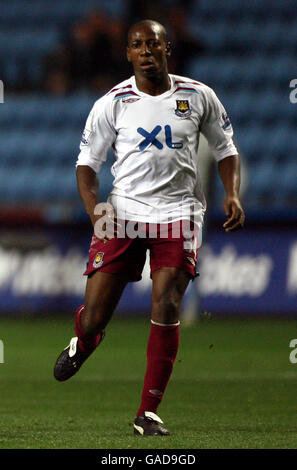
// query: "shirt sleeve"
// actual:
[[217, 128], [98, 136]]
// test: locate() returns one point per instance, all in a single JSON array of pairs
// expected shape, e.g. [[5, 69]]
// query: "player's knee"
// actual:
[[166, 309]]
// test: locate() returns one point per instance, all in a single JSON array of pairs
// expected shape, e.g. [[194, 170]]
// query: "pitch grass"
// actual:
[[232, 387]]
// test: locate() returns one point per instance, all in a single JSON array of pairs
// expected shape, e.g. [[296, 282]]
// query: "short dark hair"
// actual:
[[150, 23]]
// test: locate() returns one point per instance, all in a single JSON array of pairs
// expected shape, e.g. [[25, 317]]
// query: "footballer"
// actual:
[[152, 120]]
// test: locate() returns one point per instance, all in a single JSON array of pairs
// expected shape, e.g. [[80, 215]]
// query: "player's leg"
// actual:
[[169, 285], [111, 266], [172, 259], [103, 292]]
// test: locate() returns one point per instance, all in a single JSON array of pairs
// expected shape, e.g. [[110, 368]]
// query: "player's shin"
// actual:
[[162, 349], [87, 342]]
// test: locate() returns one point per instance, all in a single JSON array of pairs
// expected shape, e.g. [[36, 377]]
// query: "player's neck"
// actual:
[[153, 85]]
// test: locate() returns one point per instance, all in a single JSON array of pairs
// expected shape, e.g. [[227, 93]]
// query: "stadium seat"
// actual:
[[249, 61], [281, 144], [261, 187], [288, 178]]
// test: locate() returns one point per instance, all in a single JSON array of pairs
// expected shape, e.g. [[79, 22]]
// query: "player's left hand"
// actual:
[[235, 214]]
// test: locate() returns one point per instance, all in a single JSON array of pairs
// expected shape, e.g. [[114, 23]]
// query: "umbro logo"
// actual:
[[191, 260], [157, 393]]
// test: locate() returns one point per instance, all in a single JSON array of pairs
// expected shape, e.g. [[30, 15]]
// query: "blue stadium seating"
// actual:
[[249, 61], [235, 10], [261, 187]]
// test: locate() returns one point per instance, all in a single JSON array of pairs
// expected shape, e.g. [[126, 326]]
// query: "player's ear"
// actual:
[[168, 49]]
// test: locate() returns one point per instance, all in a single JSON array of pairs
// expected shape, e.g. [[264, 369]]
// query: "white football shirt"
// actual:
[[155, 141]]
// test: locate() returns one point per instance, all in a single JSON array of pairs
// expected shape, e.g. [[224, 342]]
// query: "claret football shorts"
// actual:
[[169, 245]]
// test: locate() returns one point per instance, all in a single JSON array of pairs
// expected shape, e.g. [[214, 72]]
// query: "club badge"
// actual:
[[183, 108], [98, 261]]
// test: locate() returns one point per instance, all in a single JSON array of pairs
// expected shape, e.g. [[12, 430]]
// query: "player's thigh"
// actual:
[[169, 286], [103, 291]]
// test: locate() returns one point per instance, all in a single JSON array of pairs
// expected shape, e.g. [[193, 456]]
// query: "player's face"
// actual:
[[148, 51]]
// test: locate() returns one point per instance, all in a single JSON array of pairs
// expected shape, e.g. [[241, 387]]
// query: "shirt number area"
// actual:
[[150, 138]]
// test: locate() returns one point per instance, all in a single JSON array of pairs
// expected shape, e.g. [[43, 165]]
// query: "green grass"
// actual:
[[232, 387]]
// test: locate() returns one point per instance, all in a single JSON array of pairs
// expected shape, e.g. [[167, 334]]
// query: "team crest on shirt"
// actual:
[[183, 108], [98, 261]]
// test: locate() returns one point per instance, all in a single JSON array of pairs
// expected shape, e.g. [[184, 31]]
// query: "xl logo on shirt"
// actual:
[[150, 138]]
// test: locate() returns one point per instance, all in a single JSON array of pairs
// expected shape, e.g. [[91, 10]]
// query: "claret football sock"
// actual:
[[162, 349], [77, 352], [86, 342]]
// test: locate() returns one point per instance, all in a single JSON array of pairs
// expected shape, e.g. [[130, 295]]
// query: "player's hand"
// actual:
[[235, 214]]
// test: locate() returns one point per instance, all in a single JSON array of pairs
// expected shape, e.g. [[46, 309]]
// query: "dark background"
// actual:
[[58, 57]]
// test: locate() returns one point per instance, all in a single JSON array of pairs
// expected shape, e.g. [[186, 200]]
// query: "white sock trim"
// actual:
[[164, 324]]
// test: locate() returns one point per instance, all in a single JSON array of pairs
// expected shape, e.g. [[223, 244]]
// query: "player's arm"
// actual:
[[217, 129], [88, 185], [97, 138], [229, 171]]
